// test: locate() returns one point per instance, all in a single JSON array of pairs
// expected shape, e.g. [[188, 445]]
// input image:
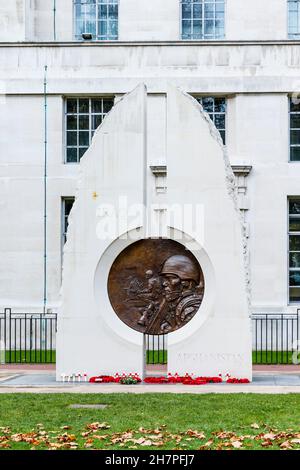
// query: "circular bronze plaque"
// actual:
[[156, 286]]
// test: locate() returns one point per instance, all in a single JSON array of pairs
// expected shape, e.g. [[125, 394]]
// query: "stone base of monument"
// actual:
[[152, 252]]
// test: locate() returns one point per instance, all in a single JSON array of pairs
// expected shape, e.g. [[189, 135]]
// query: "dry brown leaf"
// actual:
[[209, 443], [100, 438], [66, 437], [147, 442], [295, 441], [286, 445], [96, 426], [158, 430], [5, 445], [196, 434], [155, 436], [254, 426], [267, 443], [225, 435], [269, 436], [158, 443], [236, 444], [139, 441]]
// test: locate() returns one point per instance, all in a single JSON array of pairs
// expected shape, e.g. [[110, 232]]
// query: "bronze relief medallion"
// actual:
[[156, 286]]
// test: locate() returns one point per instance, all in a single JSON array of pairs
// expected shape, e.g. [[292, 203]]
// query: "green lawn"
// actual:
[[259, 357], [152, 357], [156, 421], [33, 357], [272, 357]]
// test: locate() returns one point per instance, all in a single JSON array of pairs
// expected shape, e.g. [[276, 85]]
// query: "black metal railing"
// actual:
[[275, 337], [31, 338], [27, 337]]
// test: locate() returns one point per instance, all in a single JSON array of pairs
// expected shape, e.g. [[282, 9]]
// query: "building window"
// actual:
[[294, 19], [98, 18], [202, 19], [83, 116], [216, 108], [67, 204], [294, 130], [294, 250]]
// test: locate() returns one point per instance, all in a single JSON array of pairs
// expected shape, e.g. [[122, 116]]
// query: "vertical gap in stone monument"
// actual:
[[155, 355]]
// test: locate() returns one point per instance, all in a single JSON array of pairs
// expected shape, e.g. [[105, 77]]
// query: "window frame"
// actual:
[[290, 130], [63, 231], [97, 20], [199, 97], [289, 234], [204, 38], [91, 131], [290, 36]]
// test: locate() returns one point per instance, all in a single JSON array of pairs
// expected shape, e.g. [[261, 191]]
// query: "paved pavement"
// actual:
[[43, 381]]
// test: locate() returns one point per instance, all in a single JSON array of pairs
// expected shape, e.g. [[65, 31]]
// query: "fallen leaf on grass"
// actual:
[[208, 443], [267, 443], [87, 445], [66, 437], [100, 438], [158, 443], [295, 441], [5, 445], [269, 436], [254, 426], [196, 434], [147, 442], [155, 436], [224, 435], [286, 445], [5, 429], [237, 444], [96, 426]]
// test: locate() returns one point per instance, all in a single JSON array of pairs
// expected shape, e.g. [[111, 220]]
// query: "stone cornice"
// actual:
[[283, 42], [241, 170]]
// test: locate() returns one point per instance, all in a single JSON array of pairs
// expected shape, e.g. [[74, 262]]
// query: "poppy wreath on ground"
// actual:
[[133, 379], [185, 380], [233, 380], [129, 379]]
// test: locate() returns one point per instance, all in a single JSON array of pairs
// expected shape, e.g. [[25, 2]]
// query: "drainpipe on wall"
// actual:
[[54, 20], [45, 187]]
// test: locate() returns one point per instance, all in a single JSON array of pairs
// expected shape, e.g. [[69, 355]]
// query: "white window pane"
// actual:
[[197, 10], [72, 122], [113, 12], [220, 8], [209, 9], [90, 27], [209, 27], [103, 11], [113, 29], [103, 28], [197, 29], [186, 10], [186, 28]]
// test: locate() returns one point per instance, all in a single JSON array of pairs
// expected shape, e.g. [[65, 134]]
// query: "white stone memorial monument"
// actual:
[[188, 196]]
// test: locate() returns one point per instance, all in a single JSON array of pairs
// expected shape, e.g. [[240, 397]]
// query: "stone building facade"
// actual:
[[63, 65]]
